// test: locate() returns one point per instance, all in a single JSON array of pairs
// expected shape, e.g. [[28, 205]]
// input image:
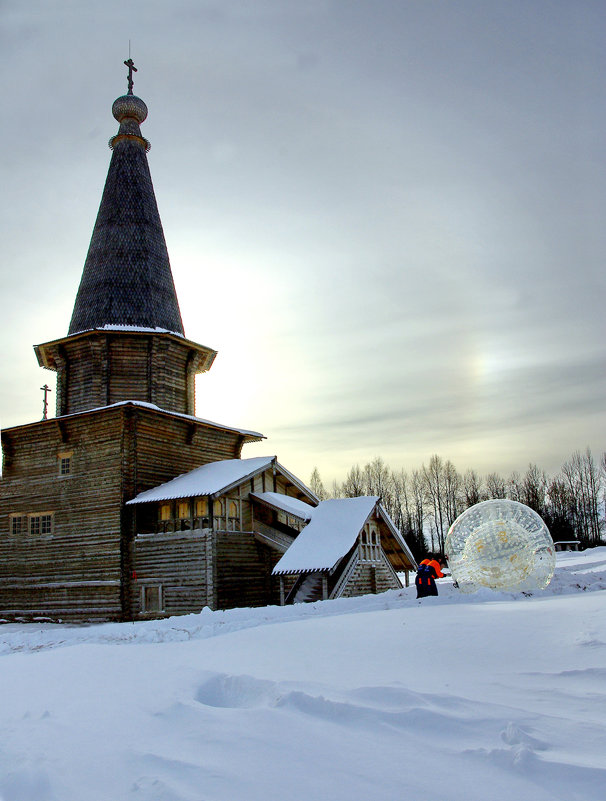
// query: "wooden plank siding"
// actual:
[[218, 569], [168, 446], [182, 564], [370, 578], [98, 368], [84, 569], [75, 571], [243, 570]]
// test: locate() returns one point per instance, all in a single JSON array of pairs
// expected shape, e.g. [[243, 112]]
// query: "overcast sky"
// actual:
[[388, 217]]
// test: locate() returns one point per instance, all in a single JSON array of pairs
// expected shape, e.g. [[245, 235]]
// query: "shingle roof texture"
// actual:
[[127, 278]]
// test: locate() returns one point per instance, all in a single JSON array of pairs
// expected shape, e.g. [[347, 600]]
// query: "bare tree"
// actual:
[[514, 487], [377, 478], [427, 501], [534, 489], [473, 490], [353, 486], [417, 490], [560, 513], [433, 476], [452, 492], [496, 486], [584, 482], [316, 485]]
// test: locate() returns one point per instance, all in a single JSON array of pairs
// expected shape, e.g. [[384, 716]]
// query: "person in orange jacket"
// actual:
[[429, 570]]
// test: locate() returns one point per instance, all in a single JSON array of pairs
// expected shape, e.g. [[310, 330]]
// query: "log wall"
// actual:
[[167, 446], [243, 571], [83, 569], [98, 368], [201, 568], [182, 564], [73, 572]]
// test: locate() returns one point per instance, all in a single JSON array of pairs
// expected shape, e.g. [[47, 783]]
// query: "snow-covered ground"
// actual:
[[457, 698]]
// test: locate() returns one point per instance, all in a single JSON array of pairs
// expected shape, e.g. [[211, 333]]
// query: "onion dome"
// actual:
[[130, 111], [129, 106]]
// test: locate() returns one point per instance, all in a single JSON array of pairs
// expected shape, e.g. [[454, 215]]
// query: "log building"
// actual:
[[126, 504]]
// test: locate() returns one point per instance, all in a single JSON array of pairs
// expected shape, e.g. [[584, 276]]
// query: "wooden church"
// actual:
[[126, 504]]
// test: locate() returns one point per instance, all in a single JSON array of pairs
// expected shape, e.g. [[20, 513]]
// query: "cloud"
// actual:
[[387, 219]]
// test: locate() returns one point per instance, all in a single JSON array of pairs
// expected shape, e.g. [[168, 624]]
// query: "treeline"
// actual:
[[424, 503]]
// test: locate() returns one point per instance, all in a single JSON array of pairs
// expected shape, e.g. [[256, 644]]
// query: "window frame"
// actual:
[[44, 526], [370, 544], [23, 524], [65, 459], [153, 585]]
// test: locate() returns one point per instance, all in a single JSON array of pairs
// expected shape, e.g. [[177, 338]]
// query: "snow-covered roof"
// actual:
[[285, 503], [209, 479], [153, 407], [254, 435], [129, 328], [332, 532], [138, 328]]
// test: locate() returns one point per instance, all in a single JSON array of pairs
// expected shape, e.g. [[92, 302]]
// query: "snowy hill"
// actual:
[[457, 698]]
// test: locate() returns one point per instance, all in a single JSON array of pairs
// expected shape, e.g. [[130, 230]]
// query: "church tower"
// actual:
[[125, 418], [126, 338]]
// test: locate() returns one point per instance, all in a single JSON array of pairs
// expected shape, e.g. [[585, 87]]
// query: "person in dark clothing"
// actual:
[[425, 581]]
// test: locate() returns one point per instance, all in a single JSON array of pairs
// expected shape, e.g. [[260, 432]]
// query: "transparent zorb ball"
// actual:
[[500, 544]]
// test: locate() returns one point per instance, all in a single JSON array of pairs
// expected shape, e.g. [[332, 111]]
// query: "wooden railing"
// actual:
[[276, 539], [345, 575]]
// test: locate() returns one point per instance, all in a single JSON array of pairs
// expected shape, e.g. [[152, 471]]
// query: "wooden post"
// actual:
[[324, 587], [281, 590]]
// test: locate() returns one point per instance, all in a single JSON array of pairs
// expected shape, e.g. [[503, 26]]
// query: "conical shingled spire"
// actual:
[[127, 280]]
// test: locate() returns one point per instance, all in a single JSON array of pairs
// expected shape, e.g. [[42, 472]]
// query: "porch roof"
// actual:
[[209, 479], [332, 532]]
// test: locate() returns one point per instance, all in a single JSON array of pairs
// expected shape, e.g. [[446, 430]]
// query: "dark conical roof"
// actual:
[[127, 280]]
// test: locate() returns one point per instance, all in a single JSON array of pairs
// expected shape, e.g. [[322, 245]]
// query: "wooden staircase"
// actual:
[[309, 590]]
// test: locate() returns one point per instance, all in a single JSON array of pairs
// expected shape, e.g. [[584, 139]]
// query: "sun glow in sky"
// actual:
[[386, 217]]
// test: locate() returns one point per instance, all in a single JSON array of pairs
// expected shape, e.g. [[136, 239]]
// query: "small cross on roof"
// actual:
[[131, 68]]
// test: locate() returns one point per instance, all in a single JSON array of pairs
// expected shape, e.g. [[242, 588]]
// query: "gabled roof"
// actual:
[[127, 280], [332, 532], [215, 478]]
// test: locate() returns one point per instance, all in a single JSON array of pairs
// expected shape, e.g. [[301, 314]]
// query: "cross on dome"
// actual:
[[131, 68]]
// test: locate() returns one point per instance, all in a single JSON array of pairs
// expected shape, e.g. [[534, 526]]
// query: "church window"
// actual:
[[41, 525], [165, 511], [152, 598], [370, 544], [218, 507], [18, 525], [65, 463], [201, 507]]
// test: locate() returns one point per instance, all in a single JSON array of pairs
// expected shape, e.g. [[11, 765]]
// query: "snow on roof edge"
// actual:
[[153, 407], [329, 536], [184, 488], [133, 328], [285, 503], [297, 482]]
